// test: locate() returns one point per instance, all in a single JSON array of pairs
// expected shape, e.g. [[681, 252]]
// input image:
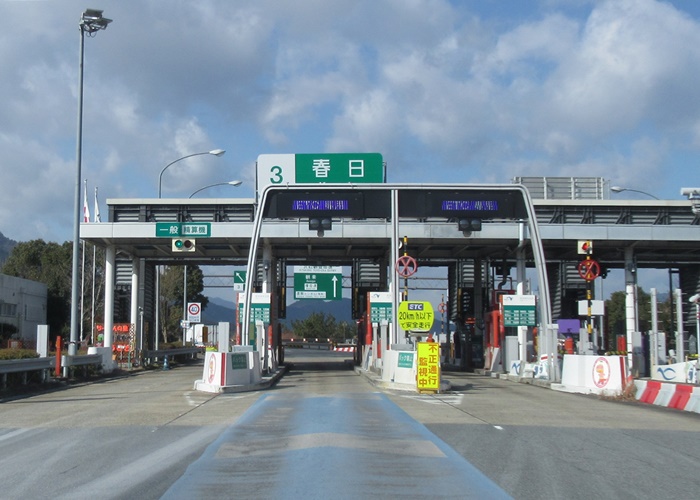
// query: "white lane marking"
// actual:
[[498, 427], [12, 434], [451, 399]]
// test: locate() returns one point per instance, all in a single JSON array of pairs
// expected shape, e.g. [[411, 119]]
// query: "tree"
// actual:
[[615, 312], [171, 298], [48, 263], [322, 326]]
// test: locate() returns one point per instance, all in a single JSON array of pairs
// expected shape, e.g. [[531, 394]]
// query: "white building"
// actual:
[[22, 305]]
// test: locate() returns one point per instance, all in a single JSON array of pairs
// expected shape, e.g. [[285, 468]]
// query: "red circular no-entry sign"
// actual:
[[589, 269], [406, 266]]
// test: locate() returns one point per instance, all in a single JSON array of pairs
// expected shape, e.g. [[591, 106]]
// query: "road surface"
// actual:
[[325, 432]]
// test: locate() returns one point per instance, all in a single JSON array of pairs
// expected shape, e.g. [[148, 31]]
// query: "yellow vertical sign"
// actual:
[[428, 367]]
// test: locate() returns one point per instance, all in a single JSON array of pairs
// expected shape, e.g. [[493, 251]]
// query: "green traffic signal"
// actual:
[[183, 245]]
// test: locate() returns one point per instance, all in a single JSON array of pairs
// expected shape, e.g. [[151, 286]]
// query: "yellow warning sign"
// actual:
[[416, 316], [428, 367]]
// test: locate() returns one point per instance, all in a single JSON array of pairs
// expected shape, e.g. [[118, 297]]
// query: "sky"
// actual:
[[447, 91]]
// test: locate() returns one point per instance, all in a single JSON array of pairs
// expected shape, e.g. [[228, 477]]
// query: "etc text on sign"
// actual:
[[329, 168]]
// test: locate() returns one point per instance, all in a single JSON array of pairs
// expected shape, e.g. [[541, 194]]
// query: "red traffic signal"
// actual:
[[585, 247]]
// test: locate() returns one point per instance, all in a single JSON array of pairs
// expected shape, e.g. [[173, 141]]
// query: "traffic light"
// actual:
[[183, 245], [469, 225], [324, 224], [585, 247]]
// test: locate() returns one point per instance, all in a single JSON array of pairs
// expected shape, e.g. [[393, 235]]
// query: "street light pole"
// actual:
[[215, 152], [184, 284], [91, 22], [229, 183], [618, 189]]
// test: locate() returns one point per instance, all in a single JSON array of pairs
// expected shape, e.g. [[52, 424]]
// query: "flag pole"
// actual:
[[86, 218], [96, 218]]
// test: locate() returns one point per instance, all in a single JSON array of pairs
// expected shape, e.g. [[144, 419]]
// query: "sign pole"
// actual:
[[405, 280], [589, 297]]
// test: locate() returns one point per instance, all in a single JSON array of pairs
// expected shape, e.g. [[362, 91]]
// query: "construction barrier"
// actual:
[[670, 395], [344, 349], [585, 374]]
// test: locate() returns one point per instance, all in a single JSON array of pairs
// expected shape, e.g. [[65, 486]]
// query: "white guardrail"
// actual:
[[26, 366], [44, 365], [149, 356]]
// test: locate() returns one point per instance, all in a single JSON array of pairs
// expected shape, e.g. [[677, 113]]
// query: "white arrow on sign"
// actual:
[[335, 285]]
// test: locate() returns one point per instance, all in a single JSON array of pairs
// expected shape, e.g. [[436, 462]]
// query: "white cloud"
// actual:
[[474, 91]]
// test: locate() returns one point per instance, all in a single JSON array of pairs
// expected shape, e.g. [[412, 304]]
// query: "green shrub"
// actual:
[[6, 354]]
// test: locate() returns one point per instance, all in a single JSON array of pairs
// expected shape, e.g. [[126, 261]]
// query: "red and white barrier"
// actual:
[[344, 349], [679, 396]]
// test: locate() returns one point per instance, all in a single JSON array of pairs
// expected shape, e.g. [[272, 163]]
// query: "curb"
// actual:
[[265, 383]]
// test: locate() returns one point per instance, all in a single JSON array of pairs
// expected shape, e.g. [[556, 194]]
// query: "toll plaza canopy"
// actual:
[[369, 226]]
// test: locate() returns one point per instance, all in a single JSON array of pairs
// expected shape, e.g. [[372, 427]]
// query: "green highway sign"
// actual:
[[259, 307], [239, 281], [280, 169], [178, 229], [168, 229], [318, 282], [339, 168], [380, 307], [519, 310]]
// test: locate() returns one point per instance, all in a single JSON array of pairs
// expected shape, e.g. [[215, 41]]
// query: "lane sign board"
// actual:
[[239, 280], [259, 307], [519, 310], [178, 229], [318, 282], [380, 307]]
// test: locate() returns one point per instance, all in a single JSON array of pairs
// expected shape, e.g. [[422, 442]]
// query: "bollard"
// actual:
[[59, 346], [165, 364]]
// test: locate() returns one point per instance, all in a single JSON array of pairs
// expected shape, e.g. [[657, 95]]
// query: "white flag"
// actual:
[[97, 208], [86, 210]]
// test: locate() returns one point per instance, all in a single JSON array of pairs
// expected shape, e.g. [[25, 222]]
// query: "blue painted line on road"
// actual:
[[341, 446]]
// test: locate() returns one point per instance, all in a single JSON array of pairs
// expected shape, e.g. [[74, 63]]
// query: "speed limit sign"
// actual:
[[194, 312]]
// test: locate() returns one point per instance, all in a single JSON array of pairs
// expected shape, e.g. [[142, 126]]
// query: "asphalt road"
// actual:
[[325, 432]]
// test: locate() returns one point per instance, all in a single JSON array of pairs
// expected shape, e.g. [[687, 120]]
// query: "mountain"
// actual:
[[224, 310], [6, 246], [218, 310], [341, 310]]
